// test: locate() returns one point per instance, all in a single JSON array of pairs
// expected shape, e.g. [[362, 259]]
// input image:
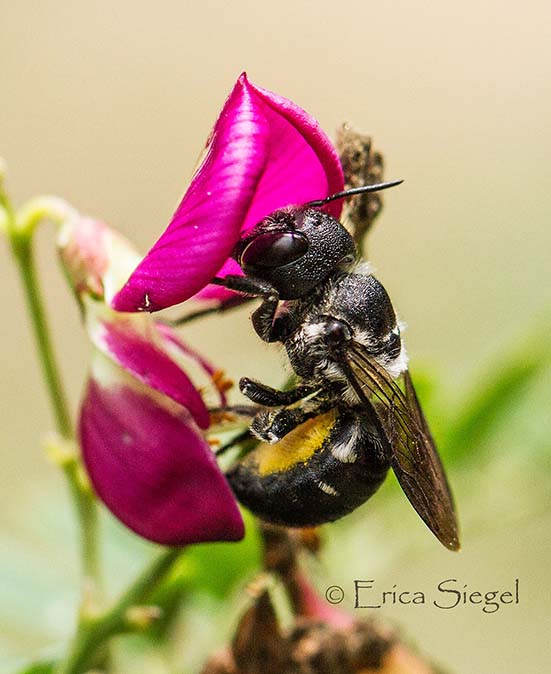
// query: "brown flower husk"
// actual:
[[312, 647], [362, 165]]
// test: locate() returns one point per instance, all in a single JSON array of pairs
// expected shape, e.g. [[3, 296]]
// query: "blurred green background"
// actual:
[[108, 106]]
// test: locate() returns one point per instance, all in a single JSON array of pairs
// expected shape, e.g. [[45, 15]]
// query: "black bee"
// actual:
[[327, 444]]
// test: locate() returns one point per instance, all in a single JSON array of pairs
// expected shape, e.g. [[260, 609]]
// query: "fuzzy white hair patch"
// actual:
[[327, 488], [345, 450]]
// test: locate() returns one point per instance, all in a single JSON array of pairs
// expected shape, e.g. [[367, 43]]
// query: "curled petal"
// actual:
[[206, 224], [302, 165], [134, 347], [264, 153], [153, 470]]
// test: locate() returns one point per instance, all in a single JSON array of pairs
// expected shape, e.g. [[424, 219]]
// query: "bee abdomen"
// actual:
[[321, 471]]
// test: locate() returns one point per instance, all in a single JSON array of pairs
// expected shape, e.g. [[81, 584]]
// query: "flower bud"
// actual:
[[96, 258]]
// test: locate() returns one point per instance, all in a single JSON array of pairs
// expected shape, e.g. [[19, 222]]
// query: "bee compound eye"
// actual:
[[274, 249]]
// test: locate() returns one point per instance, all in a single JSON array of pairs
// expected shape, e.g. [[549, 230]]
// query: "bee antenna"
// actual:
[[377, 187]]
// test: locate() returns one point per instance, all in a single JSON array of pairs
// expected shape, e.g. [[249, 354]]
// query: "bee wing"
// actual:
[[413, 454]]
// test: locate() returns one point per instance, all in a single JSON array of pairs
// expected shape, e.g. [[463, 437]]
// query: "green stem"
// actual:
[[20, 228], [85, 504], [22, 248], [93, 633]]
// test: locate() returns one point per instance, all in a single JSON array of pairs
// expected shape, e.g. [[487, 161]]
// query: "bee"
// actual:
[[327, 444]]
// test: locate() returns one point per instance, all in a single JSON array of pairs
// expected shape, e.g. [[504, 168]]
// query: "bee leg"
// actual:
[[247, 285], [267, 326], [271, 397], [220, 308], [240, 437], [272, 425], [235, 410]]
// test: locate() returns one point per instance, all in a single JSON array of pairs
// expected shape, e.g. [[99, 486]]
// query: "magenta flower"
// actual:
[[264, 153], [143, 421], [142, 418]]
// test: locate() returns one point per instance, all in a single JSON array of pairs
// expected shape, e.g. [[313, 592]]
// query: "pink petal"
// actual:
[[301, 167], [140, 356], [302, 164], [212, 292], [153, 470], [206, 224], [173, 339], [265, 153], [82, 246], [96, 258]]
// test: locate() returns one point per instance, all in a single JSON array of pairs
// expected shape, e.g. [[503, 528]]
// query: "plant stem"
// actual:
[[89, 644], [85, 504], [94, 632], [20, 229], [22, 248]]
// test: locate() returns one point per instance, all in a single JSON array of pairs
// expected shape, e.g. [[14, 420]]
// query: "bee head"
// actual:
[[295, 250]]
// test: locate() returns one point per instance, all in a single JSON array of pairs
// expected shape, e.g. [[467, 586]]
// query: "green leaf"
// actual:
[[42, 667], [213, 569], [487, 409], [218, 567]]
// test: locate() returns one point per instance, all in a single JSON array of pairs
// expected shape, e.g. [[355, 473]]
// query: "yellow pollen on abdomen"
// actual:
[[296, 447]]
